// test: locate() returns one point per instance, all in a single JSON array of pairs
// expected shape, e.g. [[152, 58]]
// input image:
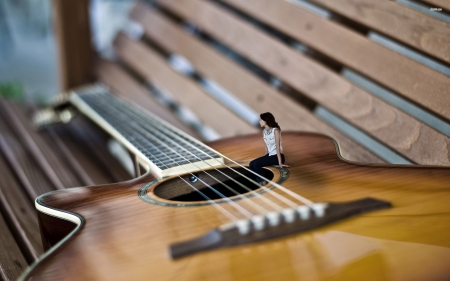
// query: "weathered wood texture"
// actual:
[[410, 79], [413, 28], [73, 33], [12, 262], [20, 213]]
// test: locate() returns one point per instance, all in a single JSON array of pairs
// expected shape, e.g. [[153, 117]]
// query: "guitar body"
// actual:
[[123, 237]]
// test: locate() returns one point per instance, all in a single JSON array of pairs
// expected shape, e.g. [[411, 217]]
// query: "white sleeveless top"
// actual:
[[269, 139]]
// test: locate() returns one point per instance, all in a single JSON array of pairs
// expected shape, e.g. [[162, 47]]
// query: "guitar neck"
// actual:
[[157, 145]]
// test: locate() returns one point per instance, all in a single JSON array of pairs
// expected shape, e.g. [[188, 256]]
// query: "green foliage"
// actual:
[[11, 90]]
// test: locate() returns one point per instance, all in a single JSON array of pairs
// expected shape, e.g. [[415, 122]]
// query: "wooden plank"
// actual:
[[411, 79], [20, 213], [122, 83], [243, 84], [416, 141], [186, 93], [43, 151], [97, 142], [413, 28], [12, 262], [68, 134], [68, 155], [73, 33], [27, 171]]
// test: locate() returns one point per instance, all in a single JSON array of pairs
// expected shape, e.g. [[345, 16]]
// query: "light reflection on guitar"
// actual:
[[121, 237]]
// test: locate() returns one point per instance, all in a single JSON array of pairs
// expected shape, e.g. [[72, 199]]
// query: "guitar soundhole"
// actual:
[[212, 184]]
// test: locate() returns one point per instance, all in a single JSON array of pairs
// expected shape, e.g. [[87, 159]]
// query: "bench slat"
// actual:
[[414, 140], [188, 94], [25, 168], [12, 262], [43, 151], [425, 33], [411, 79], [116, 78], [20, 212], [243, 84], [81, 153], [67, 154], [96, 142]]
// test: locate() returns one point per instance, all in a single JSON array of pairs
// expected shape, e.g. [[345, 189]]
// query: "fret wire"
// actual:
[[219, 207], [124, 130], [148, 118], [184, 154], [228, 187], [146, 125], [232, 203]]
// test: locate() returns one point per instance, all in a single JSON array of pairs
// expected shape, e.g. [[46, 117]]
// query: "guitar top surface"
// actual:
[[126, 238]]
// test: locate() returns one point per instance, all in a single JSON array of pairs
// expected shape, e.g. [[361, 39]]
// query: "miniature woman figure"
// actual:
[[274, 149]]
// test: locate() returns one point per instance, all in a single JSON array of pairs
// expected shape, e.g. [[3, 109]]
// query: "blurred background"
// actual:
[[28, 47]]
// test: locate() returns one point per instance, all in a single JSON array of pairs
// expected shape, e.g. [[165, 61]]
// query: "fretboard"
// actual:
[[165, 149]]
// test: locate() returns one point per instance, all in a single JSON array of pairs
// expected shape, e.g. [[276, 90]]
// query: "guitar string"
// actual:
[[242, 210], [148, 135], [259, 196], [293, 194], [213, 203], [273, 204], [287, 201], [300, 198]]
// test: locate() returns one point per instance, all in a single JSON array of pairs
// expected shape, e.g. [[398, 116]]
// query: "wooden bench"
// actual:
[[327, 74]]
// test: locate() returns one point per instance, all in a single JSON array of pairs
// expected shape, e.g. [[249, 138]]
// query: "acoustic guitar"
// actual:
[[198, 213]]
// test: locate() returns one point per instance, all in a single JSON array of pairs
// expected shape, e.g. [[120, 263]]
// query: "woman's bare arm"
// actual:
[[278, 145]]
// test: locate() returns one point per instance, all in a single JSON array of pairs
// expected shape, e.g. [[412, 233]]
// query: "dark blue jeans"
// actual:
[[266, 160]]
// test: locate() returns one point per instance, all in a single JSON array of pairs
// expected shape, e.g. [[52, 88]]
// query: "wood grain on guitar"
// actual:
[[119, 236]]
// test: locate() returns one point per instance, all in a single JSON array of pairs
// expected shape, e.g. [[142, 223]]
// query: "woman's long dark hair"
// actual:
[[270, 120]]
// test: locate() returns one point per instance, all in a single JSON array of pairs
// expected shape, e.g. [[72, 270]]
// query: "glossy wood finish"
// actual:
[[243, 84], [53, 230], [413, 28], [125, 238]]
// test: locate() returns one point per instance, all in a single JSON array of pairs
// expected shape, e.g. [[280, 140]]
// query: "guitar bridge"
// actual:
[[275, 224]]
